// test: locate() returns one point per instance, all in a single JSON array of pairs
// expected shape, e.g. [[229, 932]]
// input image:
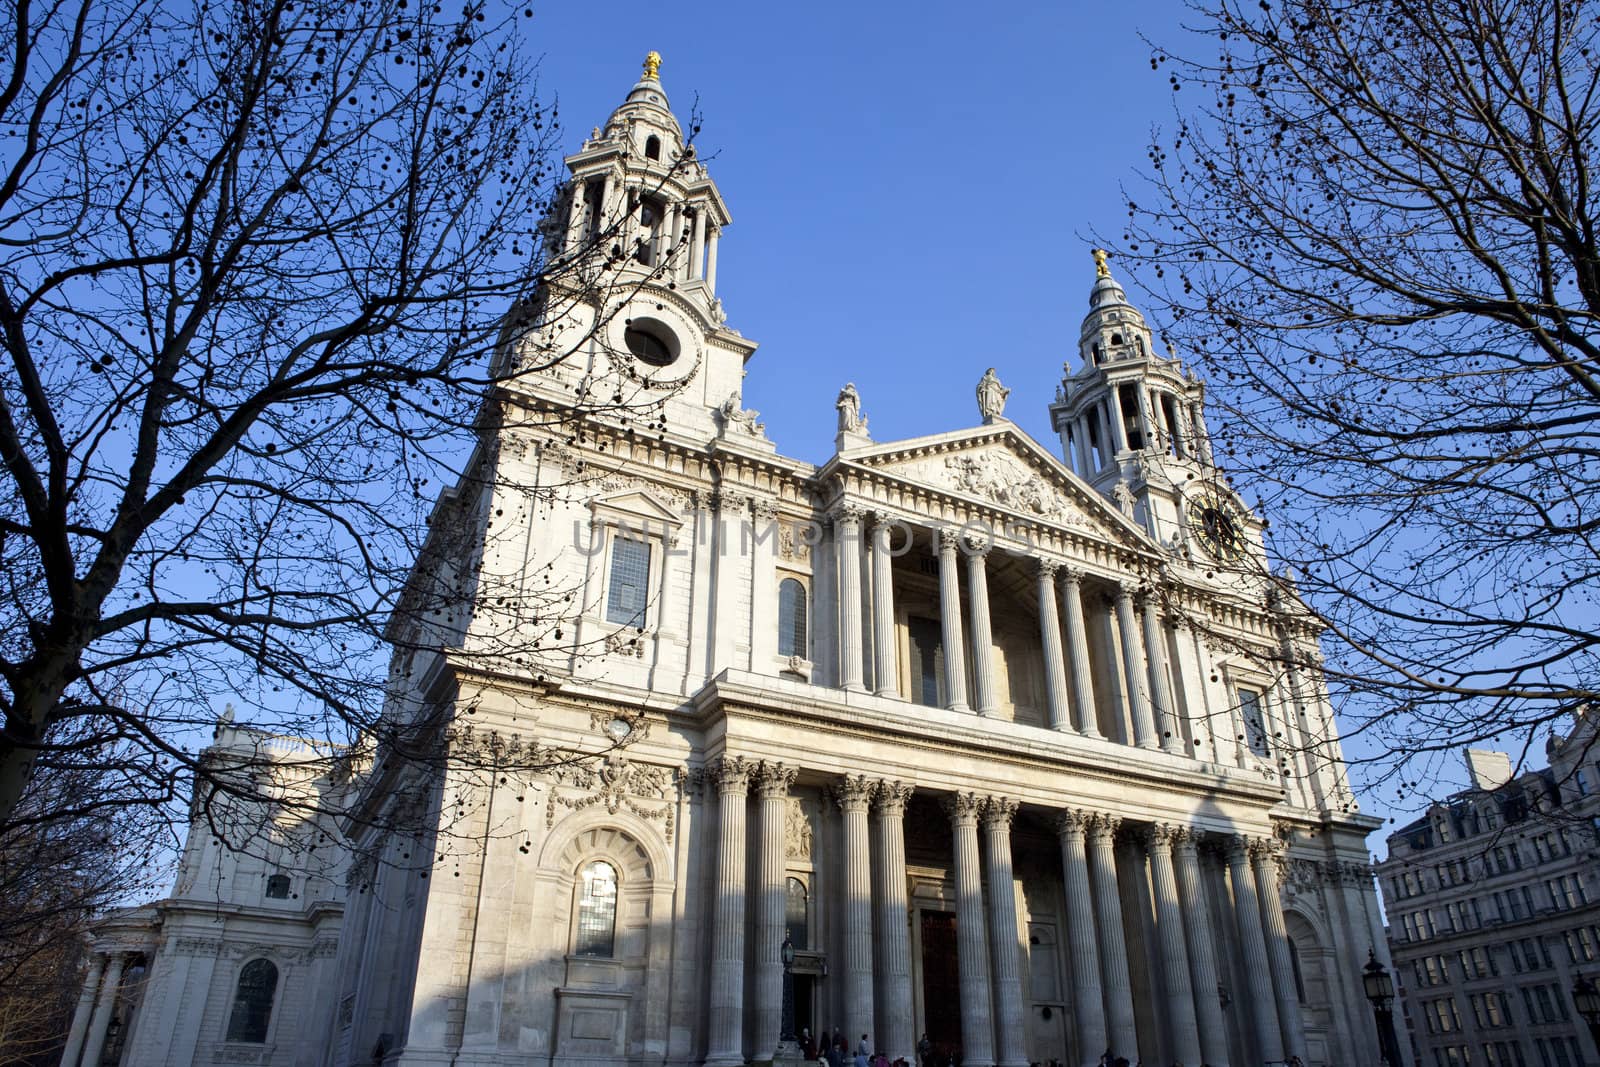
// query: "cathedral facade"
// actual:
[[1020, 750]]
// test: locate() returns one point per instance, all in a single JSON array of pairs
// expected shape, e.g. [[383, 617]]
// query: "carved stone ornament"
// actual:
[[991, 396], [1072, 822], [798, 665], [854, 793], [892, 798], [1105, 826], [732, 774], [617, 784], [998, 812], [963, 807], [628, 641], [736, 419], [999, 475], [796, 831], [774, 779], [791, 545]]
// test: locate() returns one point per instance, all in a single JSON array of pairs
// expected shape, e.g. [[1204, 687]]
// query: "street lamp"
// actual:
[[1586, 998], [1379, 987], [787, 952]]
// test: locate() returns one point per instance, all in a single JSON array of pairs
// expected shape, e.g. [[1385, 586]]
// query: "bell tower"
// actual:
[[628, 322], [1132, 424]]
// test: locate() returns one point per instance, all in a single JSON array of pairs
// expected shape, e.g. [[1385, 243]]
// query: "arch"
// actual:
[[252, 1002], [652, 147], [797, 911], [596, 934], [635, 846]]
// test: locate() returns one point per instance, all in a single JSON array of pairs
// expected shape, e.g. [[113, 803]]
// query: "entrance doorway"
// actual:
[[803, 1006], [941, 986]]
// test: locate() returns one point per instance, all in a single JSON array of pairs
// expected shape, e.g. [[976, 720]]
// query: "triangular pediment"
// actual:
[[636, 504], [1003, 467]]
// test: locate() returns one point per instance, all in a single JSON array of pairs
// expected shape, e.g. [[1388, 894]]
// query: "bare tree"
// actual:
[[1376, 224], [254, 259]]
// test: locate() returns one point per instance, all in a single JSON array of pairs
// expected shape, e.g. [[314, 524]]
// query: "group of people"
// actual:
[[834, 1051]]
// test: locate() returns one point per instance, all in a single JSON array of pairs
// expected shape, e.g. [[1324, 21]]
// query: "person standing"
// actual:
[[924, 1051]]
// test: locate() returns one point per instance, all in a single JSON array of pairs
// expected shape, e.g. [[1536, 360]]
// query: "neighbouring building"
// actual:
[[1493, 902], [1025, 751]]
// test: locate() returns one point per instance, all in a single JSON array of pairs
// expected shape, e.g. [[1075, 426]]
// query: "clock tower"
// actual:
[[1132, 424]]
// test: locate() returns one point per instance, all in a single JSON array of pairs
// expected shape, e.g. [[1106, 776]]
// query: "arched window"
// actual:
[[252, 1002], [597, 911], [652, 148], [797, 913], [792, 618]]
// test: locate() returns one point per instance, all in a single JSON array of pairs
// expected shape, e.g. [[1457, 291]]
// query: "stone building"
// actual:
[[1023, 751], [1494, 911]]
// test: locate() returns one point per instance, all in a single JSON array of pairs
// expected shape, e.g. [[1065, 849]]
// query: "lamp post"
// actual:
[[1586, 998], [1379, 987], [787, 1037]]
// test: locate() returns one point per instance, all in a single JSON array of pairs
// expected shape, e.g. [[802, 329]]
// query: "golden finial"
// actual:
[[1100, 268], [652, 66]]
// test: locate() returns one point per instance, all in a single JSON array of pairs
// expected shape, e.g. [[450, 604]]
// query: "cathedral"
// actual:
[[963, 737]]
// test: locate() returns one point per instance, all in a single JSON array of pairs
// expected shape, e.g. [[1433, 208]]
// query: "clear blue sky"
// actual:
[[912, 185]]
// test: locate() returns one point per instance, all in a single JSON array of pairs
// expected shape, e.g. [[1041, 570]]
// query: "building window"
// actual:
[[797, 913], [597, 911], [927, 661], [630, 579], [278, 886], [252, 1002], [1255, 730], [792, 619], [652, 147]]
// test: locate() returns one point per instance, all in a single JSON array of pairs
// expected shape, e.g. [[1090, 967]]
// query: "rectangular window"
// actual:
[[627, 591], [1255, 731], [927, 661]]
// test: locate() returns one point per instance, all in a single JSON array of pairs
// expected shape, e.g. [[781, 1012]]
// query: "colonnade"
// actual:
[[617, 204], [877, 993], [91, 1020], [1129, 618]]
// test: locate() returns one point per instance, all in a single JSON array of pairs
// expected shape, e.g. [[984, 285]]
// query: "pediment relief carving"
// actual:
[[1001, 476]]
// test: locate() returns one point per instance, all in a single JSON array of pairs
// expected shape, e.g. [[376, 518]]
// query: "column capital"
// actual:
[[891, 798], [846, 514], [1187, 843], [1128, 589], [1103, 826], [1268, 850], [977, 547], [949, 539], [1073, 822], [1167, 836], [1239, 848], [732, 774], [854, 793], [883, 520], [1045, 568], [997, 813], [763, 510], [1071, 575], [775, 778], [963, 808]]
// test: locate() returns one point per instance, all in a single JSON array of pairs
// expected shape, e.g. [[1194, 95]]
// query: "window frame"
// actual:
[[269, 1023], [784, 626], [581, 883]]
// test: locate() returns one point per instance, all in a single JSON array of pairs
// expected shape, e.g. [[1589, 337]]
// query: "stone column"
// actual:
[[1144, 732], [972, 949], [1203, 974], [80, 1016], [1267, 854], [1119, 428], [711, 259], [982, 637], [1155, 654], [847, 542], [853, 795], [775, 780], [1247, 914], [1010, 1014], [697, 245], [1055, 671], [1088, 1004], [104, 1005], [1124, 1037], [885, 675], [896, 1021], [1175, 984], [1078, 653], [726, 1038], [955, 651]]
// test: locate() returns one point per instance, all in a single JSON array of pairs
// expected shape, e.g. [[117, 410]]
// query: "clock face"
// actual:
[[1217, 527]]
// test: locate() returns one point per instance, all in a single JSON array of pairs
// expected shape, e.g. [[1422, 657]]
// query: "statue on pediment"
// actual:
[[991, 396], [849, 404]]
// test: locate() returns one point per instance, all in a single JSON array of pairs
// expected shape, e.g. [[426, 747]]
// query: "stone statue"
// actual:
[[849, 404], [991, 396], [734, 416]]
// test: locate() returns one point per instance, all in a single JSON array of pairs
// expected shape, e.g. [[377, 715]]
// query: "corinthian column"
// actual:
[[1155, 653], [982, 636], [1144, 731], [955, 650], [1247, 914], [1202, 953], [726, 1041], [1088, 1004], [1055, 670], [853, 796], [847, 541], [885, 676], [972, 950], [80, 1017], [1179, 1007], [104, 1006], [1078, 653], [895, 1035], [775, 779], [1267, 854], [1010, 1022], [1124, 1038]]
